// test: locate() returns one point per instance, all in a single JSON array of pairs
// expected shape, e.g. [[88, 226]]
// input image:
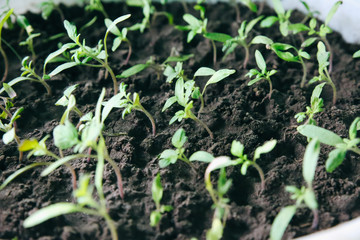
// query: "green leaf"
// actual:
[[9, 90], [112, 26], [244, 167], [179, 138], [61, 50], [155, 218], [281, 222], [323, 135], [308, 42], [336, 157], [157, 189], [260, 61], [204, 71], [179, 58], [191, 20], [265, 148], [298, 27], [254, 81], [220, 75], [167, 157], [169, 102], [4, 19], [310, 160], [237, 149], [216, 231], [49, 212], [304, 54], [217, 163], [332, 12], [71, 30], [262, 40], [279, 9], [9, 136], [19, 172], [179, 92], [353, 128], [220, 37], [15, 81], [251, 24], [310, 199], [201, 156], [268, 21], [114, 30], [62, 67], [53, 166], [356, 54], [28, 145], [65, 136]]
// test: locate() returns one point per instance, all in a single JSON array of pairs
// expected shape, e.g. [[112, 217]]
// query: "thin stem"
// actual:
[[186, 160], [315, 222], [73, 175], [303, 80], [329, 80], [111, 225], [247, 54], [203, 125], [328, 46], [118, 175], [142, 109], [6, 63], [129, 53], [355, 150], [202, 104], [214, 51], [261, 173], [271, 87]]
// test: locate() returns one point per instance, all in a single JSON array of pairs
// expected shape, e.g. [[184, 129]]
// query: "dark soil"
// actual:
[[233, 111]]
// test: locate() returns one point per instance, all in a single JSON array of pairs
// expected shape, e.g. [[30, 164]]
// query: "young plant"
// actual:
[[68, 100], [47, 7], [222, 209], [263, 75], [170, 156], [157, 194], [324, 30], [95, 5], [3, 53], [342, 145], [82, 54], [316, 106], [120, 37], [85, 203], [242, 39], [323, 60], [123, 100], [282, 17], [29, 42], [304, 197]]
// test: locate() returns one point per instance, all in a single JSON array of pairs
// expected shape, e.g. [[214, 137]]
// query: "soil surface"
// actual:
[[233, 111]]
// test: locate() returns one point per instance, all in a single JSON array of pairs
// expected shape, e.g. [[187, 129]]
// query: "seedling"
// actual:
[[222, 209], [95, 5], [324, 30], [316, 106], [123, 100], [29, 42], [241, 39], [342, 145], [305, 196], [157, 194], [323, 60], [86, 204], [310, 13], [68, 100], [3, 53], [282, 17], [170, 156], [263, 75], [120, 37], [82, 54], [47, 7]]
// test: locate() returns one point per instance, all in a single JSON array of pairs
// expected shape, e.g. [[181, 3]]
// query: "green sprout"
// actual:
[[68, 100], [242, 39], [157, 194], [323, 60], [304, 197], [47, 7], [324, 30], [120, 37], [282, 17], [95, 5], [170, 156], [86, 204], [342, 145], [83, 54], [3, 53], [123, 100], [222, 209], [263, 75], [316, 106], [310, 14], [29, 42]]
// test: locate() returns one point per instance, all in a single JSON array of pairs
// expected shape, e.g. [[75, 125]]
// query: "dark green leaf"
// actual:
[[220, 37]]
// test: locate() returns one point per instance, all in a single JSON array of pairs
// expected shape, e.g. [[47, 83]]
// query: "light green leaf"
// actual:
[[216, 231], [65, 136], [220, 75], [179, 138], [323, 135], [281, 222], [265, 148], [155, 218], [356, 54], [191, 20], [310, 160], [179, 58], [336, 157], [49, 212], [308, 42], [244, 167], [353, 128], [201, 156], [71, 30], [304, 54], [251, 24], [262, 40], [260, 61], [268, 21], [62, 67], [9, 90], [53, 166], [220, 37], [28, 145], [61, 50], [204, 71], [217, 163], [157, 189], [310, 199], [332, 12], [279, 9], [237, 149], [179, 92], [170, 101], [9, 136], [4, 19], [116, 21]]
